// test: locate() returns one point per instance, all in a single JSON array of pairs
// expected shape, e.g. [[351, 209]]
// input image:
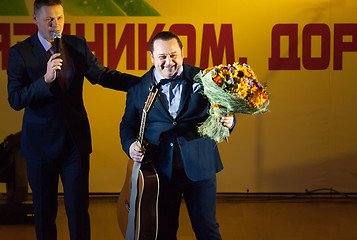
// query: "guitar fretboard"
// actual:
[[146, 109]]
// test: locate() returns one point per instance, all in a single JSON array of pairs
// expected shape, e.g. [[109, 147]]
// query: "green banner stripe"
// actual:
[[13, 8], [109, 8], [92, 8], [136, 8]]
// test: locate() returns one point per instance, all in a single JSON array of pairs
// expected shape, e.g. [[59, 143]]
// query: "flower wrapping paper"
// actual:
[[230, 89]]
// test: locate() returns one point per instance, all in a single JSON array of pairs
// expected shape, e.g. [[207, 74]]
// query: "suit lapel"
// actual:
[[161, 107], [39, 52], [158, 104], [186, 88]]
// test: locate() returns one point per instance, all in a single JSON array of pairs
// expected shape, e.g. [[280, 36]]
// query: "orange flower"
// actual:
[[218, 80], [258, 98]]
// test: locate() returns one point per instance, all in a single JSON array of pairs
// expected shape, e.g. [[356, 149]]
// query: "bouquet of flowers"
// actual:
[[230, 89]]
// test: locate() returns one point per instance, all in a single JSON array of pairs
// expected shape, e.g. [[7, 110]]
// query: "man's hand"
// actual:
[[136, 152], [53, 64], [227, 121]]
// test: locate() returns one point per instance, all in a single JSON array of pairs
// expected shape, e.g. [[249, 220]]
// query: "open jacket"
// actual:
[[200, 155]]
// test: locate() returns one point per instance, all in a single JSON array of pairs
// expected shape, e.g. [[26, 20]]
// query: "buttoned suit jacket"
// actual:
[[199, 155], [50, 114]]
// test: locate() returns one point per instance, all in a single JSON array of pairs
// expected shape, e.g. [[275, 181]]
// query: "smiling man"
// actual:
[[56, 138], [186, 162], [167, 57]]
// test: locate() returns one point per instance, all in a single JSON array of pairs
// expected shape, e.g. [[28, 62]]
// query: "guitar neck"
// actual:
[[146, 109]]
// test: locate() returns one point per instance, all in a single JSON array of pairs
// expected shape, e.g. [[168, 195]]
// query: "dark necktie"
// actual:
[[168, 99], [166, 80], [65, 75], [170, 80], [49, 52]]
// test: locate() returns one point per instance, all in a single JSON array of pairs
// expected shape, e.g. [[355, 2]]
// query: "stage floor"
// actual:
[[294, 219]]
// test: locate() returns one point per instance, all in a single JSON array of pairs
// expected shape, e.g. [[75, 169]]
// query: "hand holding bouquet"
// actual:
[[230, 89]]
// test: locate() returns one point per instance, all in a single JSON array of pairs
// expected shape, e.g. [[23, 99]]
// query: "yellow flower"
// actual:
[[242, 68], [242, 88], [254, 90]]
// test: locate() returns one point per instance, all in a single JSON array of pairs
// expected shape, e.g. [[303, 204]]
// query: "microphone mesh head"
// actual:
[[57, 34]]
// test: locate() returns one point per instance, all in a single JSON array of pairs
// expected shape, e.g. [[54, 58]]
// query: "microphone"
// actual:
[[57, 36]]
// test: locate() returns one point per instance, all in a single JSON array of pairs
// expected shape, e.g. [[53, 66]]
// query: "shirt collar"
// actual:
[[46, 44], [158, 77]]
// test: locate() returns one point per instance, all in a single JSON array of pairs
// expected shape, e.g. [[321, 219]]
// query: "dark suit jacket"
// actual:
[[200, 155], [50, 114]]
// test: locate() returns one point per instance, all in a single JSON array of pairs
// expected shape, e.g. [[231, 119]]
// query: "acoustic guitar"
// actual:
[[146, 193]]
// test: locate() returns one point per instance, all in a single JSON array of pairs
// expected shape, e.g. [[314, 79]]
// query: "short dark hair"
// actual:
[[38, 4], [165, 35]]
